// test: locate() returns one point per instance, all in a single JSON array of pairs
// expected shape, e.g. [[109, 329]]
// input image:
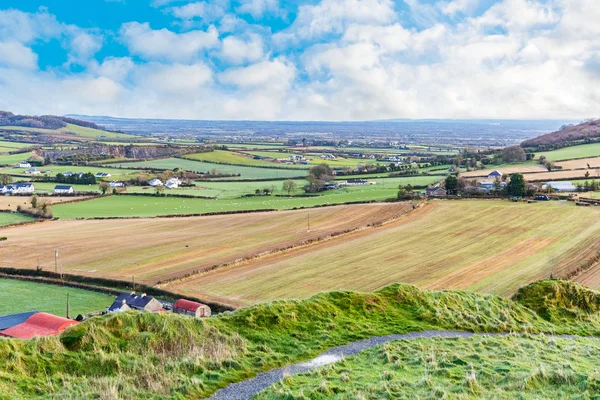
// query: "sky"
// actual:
[[334, 60]]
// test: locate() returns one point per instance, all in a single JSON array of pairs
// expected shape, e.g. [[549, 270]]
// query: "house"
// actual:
[[155, 182], [8, 321], [17, 188], [24, 164], [38, 324], [116, 184], [32, 171], [191, 308], [173, 183], [357, 182], [494, 174], [102, 175], [560, 186], [296, 157], [328, 157], [490, 185], [132, 301], [62, 189], [436, 192]]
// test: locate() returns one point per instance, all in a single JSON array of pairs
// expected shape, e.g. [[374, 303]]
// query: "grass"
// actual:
[[20, 296], [146, 355], [204, 167], [96, 133], [12, 218], [230, 157], [10, 159], [528, 368], [479, 245], [567, 153], [116, 173], [7, 146], [125, 248]]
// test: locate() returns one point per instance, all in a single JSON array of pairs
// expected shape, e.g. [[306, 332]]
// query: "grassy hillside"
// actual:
[[487, 246], [145, 355], [96, 133], [474, 368], [567, 153]]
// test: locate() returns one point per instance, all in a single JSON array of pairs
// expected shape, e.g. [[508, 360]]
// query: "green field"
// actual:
[[19, 296], [6, 146], [116, 173], [567, 153], [473, 368], [230, 157], [204, 167], [10, 159], [74, 129], [12, 218]]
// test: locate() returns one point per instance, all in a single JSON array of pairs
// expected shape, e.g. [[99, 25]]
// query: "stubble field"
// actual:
[[487, 246]]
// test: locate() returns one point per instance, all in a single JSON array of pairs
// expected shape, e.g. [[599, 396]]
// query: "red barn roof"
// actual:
[[187, 305], [40, 324]]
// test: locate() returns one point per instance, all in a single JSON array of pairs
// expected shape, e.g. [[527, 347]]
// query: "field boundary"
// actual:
[[271, 253]]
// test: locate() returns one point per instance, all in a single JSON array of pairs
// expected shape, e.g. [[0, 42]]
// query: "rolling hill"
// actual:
[[569, 135]]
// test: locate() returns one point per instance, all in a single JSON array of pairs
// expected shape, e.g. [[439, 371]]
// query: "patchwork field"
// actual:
[[157, 249], [487, 246], [19, 296]]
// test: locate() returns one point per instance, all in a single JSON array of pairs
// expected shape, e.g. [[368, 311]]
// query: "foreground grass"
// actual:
[[473, 368], [19, 296], [144, 355]]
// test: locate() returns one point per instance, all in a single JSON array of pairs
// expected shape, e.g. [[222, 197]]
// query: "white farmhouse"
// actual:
[[63, 189], [33, 171], [155, 182], [173, 183], [24, 164], [116, 184]]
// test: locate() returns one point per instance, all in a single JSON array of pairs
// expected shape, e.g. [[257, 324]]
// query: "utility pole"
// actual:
[[67, 305], [133, 282], [56, 261]]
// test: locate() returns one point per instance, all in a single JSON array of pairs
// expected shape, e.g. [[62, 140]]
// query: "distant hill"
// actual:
[[42, 122], [568, 135]]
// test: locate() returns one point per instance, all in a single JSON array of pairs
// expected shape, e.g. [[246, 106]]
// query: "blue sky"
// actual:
[[301, 60]]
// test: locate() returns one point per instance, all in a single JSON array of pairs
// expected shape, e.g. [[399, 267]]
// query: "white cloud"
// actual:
[[207, 11], [115, 68], [165, 44], [277, 73], [177, 78], [236, 50], [258, 8], [332, 16], [451, 8], [14, 54]]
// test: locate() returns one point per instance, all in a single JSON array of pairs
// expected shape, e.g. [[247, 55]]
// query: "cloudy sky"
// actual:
[[301, 60]]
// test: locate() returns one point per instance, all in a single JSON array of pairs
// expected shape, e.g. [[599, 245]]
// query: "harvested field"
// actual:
[[582, 163], [157, 249], [522, 168], [11, 202], [487, 246], [557, 175]]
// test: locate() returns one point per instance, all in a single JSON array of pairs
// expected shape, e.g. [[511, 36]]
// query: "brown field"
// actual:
[[505, 170], [554, 175], [593, 162], [487, 246], [157, 249], [11, 203]]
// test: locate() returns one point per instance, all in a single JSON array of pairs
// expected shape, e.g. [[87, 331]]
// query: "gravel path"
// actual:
[[245, 390]]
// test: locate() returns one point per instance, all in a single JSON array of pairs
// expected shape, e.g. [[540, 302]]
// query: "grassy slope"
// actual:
[[482, 245], [170, 356], [566, 153], [10, 218], [8, 159], [221, 156], [94, 133], [18, 296], [528, 368]]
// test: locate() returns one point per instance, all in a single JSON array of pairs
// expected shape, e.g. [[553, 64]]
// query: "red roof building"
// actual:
[[191, 308], [40, 324]]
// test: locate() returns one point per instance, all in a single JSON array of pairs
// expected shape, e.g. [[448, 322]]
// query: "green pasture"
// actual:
[[19, 296], [568, 153], [12, 218], [10, 159]]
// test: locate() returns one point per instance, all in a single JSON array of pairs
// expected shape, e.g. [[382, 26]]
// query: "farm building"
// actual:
[[61, 189], [155, 182], [560, 186], [435, 192], [102, 175], [32, 171], [116, 184], [8, 321], [132, 301], [23, 164], [490, 184], [358, 182], [494, 174], [173, 183], [191, 308], [38, 324]]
